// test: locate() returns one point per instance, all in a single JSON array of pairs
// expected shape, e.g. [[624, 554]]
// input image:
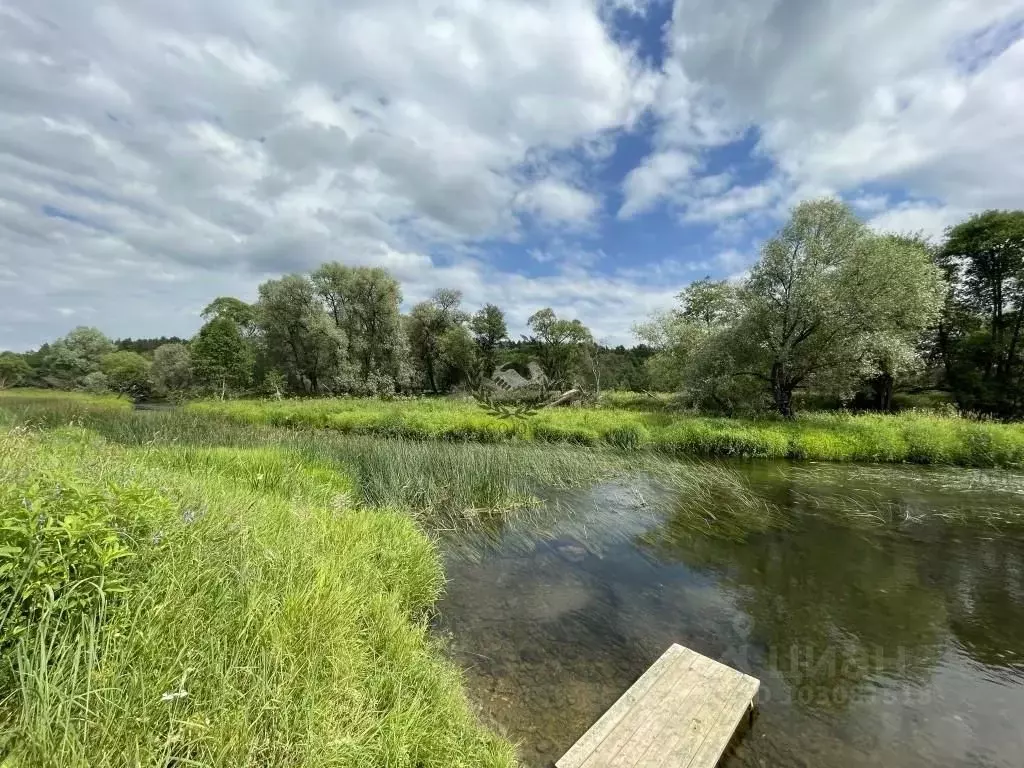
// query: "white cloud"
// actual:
[[920, 97], [557, 202], [153, 155], [929, 220], [661, 175]]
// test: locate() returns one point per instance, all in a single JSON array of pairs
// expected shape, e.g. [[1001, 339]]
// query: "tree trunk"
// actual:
[[430, 374], [565, 398], [883, 386], [782, 390]]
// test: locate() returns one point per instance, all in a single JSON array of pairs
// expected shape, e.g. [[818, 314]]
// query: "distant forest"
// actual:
[[832, 314]]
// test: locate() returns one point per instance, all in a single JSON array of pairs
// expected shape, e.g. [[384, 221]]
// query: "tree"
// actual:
[[364, 304], [171, 372], [13, 369], [460, 353], [237, 311], [558, 343], [679, 335], [71, 358], [890, 346], [222, 361], [983, 258], [828, 304], [127, 372], [826, 297], [489, 330], [427, 324], [301, 340]]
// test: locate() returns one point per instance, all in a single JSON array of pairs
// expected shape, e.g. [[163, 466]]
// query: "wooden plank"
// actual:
[[587, 743], [646, 719], [718, 736], [681, 713], [683, 744], [685, 698]]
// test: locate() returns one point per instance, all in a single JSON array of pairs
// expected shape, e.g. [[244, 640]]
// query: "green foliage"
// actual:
[[301, 340], [489, 331], [980, 339], [13, 369], [836, 436], [427, 325], [70, 359], [559, 344], [95, 383], [280, 623], [222, 360], [66, 549], [364, 304], [171, 372], [127, 372], [828, 304], [237, 311]]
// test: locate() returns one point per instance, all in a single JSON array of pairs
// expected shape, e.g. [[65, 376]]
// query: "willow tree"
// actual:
[[300, 338], [828, 305], [364, 304]]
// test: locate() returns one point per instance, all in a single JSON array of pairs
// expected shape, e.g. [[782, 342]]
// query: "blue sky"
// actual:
[[589, 155]]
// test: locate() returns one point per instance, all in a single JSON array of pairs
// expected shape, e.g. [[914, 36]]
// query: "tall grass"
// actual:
[[916, 437], [919, 437], [272, 620]]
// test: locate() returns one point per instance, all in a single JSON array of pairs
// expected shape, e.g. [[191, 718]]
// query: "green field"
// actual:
[[918, 437], [631, 423]]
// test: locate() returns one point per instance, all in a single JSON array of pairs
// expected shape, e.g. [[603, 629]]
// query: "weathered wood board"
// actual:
[[681, 713]]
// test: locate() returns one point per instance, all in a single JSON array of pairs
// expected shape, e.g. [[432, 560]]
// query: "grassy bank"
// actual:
[[172, 602], [916, 437], [913, 436]]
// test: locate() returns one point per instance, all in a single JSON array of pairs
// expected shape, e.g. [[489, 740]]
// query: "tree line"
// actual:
[[830, 309], [337, 330]]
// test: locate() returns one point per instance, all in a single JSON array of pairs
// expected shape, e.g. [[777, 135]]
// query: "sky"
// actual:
[[594, 156]]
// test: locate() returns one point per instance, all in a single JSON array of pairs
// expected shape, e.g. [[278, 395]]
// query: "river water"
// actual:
[[881, 608]]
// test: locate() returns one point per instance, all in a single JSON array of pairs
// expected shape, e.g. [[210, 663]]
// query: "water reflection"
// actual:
[[886, 626]]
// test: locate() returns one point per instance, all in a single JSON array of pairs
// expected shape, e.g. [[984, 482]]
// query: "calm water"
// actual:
[[882, 609]]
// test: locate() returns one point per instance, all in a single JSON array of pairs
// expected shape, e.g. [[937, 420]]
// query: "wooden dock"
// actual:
[[681, 713]]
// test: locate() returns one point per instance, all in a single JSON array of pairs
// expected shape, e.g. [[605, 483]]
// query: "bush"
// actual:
[[65, 548], [95, 383]]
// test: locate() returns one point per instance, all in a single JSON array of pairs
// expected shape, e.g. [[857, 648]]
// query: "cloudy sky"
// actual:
[[589, 155]]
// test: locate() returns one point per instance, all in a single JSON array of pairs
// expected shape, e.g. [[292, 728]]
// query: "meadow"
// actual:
[[920, 437], [174, 603]]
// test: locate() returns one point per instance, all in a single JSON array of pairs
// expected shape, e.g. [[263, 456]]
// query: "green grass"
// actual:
[[920, 437], [913, 436], [268, 617]]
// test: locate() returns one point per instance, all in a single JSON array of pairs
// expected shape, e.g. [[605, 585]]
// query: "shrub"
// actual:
[[65, 547]]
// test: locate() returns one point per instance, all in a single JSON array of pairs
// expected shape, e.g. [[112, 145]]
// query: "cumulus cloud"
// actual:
[[661, 175], [154, 154], [923, 97], [557, 202]]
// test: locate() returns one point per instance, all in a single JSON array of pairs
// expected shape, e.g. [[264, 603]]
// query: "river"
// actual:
[[882, 608]]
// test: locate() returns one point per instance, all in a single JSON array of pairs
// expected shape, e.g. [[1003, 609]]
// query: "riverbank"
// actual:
[[916, 437], [171, 602]]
